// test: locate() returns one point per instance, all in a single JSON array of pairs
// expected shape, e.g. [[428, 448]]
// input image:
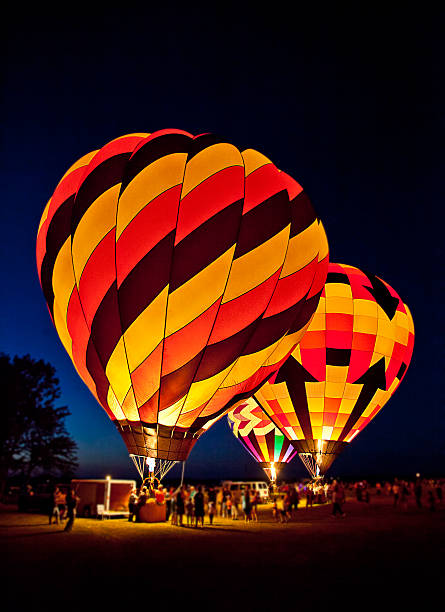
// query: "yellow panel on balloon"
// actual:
[[316, 389], [340, 305], [253, 160], [334, 389], [117, 372], [352, 391], [198, 294], [367, 308], [365, 324], [315, 404], [170, 415], [207, 162], [336, 373], [146, 332], [337, 290], [303, 248], [114, 405], [202, 390], [256, 266]]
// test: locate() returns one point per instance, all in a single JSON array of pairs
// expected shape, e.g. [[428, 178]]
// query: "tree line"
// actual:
[[33, 436]]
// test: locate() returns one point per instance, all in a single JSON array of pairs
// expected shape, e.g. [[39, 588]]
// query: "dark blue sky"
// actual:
[[348, 104]]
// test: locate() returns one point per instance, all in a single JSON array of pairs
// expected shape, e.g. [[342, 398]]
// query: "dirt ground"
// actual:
[[376, 555]]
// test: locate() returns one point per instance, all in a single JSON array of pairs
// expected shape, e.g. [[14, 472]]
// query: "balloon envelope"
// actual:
[[260, 437], [180, 273], [351, 360]]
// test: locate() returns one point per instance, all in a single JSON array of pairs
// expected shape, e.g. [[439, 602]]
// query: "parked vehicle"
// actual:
[[252, 485], [103, 497]]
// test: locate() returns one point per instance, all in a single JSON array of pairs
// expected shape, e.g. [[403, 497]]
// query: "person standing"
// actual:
[[418, 493], [309, 495], [54, 507], [180, 508], [247, 507], [189, 510], [338, 498], [235, 504], [255, 501], [142, 500], [132, 505], [199, 507], [211, 511], [71, 505]]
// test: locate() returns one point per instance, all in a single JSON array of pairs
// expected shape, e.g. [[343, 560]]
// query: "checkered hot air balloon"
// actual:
[[260, 437], [349, 363], [180, 272]]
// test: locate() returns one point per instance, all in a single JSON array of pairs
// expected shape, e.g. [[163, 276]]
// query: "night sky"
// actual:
[[348, 104]]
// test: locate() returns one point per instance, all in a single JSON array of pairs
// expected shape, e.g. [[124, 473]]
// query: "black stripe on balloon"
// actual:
[[337, 277], [151, 151], [271, 329], [202, 142], [401, 371], [145, 281], [97, 373], [205, 244], [382, 295], [372, 380], [284, 448], [308, 307], [338, 357], [263, 222], [295, 376], [303, 213], [270, 443], [106, 328], [58, 231], [98, 181], [175, 385], [220, 355]]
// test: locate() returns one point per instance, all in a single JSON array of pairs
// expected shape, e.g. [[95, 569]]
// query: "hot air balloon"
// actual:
[[351, 360], [259, 436], [180, 273]]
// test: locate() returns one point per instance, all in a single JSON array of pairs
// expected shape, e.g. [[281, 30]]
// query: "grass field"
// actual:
[[377, 554]]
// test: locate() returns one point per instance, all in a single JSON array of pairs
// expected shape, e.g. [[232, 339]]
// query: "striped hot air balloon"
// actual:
[[180, 273], [349, 363], [260, 437]]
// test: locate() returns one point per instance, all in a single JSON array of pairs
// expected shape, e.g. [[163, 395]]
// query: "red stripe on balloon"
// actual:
[[263, 183], [208, 198], [291, 289], [97, 276], [243, 310]]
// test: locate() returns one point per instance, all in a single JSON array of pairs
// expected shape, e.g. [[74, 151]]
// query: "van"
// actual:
[[253, 485]]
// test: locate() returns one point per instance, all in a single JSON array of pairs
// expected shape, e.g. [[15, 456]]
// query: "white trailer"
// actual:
[[103, 497]]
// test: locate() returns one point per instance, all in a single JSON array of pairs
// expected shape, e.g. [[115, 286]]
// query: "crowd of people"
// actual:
[[423, 492], [187, 505], [191, 506]]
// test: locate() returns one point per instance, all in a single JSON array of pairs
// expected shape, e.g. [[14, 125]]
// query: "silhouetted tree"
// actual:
[[32, 430]]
